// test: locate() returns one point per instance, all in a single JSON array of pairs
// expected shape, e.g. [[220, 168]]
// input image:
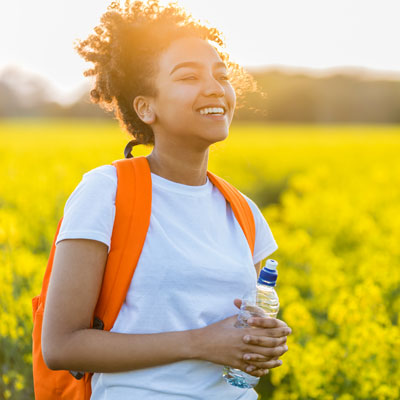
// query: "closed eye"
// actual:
[[224, 77]]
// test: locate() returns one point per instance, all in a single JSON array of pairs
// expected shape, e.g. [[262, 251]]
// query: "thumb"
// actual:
[[237, 302]]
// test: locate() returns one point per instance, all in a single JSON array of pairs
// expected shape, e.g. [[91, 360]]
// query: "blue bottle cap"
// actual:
[[269, 274]]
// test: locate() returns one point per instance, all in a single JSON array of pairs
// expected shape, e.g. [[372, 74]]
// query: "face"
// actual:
[[191, 78]]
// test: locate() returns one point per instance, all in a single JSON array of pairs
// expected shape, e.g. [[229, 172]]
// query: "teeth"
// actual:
[[214, 110]]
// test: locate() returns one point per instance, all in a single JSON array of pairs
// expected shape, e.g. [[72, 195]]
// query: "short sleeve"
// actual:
[[265, 243], [90, 210]]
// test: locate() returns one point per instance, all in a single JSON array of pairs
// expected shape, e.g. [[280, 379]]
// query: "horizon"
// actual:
[[67, 98]]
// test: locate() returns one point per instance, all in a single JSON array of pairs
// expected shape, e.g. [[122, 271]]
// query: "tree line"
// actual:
[[283, 97]]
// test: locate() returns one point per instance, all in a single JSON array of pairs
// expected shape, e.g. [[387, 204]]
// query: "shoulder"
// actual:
[[102, 179], [96, 186], [259, 218], [254, 208], [265, 242], [90, 209], [102, 173]]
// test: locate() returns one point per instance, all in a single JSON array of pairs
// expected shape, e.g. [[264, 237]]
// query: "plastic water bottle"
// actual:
[[262, 302]]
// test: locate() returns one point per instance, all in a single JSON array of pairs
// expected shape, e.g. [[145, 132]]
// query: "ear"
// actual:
[[144, 109]]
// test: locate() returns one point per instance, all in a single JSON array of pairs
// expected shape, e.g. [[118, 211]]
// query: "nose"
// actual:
[[213, 88]]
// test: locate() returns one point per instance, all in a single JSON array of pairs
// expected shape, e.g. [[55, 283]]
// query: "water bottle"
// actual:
[[261, 302]]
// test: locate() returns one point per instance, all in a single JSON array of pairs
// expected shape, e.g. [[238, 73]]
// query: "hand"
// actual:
[[274, 343], [223, 344]]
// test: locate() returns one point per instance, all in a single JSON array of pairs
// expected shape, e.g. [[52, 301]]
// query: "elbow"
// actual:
[[51, 356], [51, 361], [51, 364]]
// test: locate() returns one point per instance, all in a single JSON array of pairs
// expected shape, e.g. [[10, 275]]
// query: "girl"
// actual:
[[169, 87]]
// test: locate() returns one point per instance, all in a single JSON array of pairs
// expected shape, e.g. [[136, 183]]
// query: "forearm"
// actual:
[[92, 350]]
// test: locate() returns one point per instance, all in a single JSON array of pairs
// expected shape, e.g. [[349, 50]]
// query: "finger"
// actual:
[[268, 323], [264, 372], [267, 352], [237, 303], [261, 322], [271, 332], [264, 341], [256, 357], [265, 365], [253, 357], [259, 372]]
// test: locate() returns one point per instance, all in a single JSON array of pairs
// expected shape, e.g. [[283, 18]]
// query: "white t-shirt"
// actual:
[[195, 261]]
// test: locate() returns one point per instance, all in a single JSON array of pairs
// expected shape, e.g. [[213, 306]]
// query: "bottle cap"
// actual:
[[269, 274]]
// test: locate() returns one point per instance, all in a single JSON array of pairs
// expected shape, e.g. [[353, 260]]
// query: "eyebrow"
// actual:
[[195, 64]]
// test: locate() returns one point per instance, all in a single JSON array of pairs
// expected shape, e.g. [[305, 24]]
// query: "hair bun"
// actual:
[[129, 147]]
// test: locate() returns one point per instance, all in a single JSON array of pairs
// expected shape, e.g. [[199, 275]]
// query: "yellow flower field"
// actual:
[[331, 195]]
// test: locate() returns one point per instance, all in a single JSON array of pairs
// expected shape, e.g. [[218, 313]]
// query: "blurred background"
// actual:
[[318, 61], [320, 159]]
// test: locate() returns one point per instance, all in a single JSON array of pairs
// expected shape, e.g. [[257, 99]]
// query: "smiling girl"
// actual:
[[169, 87]]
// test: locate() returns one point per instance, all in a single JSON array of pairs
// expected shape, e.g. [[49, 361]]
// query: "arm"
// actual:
[[67, 341], [69, 344]]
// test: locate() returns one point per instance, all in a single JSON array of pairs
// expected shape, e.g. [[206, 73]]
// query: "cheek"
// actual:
[[175, 111], [179, 101], [231, 95]]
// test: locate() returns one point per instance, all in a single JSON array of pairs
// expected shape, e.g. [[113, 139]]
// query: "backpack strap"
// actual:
[[240, 208], [132, 219]]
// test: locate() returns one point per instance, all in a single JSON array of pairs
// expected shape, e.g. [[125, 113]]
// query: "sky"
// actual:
[[317, 36]]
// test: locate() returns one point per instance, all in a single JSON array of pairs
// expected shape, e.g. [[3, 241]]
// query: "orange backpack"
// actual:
[[133, 203]]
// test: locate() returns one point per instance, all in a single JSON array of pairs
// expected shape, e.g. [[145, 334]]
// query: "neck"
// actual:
[[179, 165]]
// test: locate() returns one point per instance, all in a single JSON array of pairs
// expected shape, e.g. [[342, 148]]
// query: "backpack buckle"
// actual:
[[77, 375], [98, 323]]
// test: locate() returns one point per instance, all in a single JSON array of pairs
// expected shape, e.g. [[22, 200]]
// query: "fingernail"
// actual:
[[250, 320], [247, 357], [246, 338], [251, 368]]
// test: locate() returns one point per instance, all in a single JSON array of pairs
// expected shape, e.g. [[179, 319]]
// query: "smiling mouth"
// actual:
[[213, 113], [213, 117]]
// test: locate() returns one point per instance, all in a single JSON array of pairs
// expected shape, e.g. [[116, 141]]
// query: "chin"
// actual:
[[222, 138], [218, 136], [210, 137]]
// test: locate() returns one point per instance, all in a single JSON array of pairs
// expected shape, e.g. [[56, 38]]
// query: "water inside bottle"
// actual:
[[269, 303]]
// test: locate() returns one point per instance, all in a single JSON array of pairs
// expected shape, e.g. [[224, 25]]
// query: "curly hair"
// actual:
[[124, 50]]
